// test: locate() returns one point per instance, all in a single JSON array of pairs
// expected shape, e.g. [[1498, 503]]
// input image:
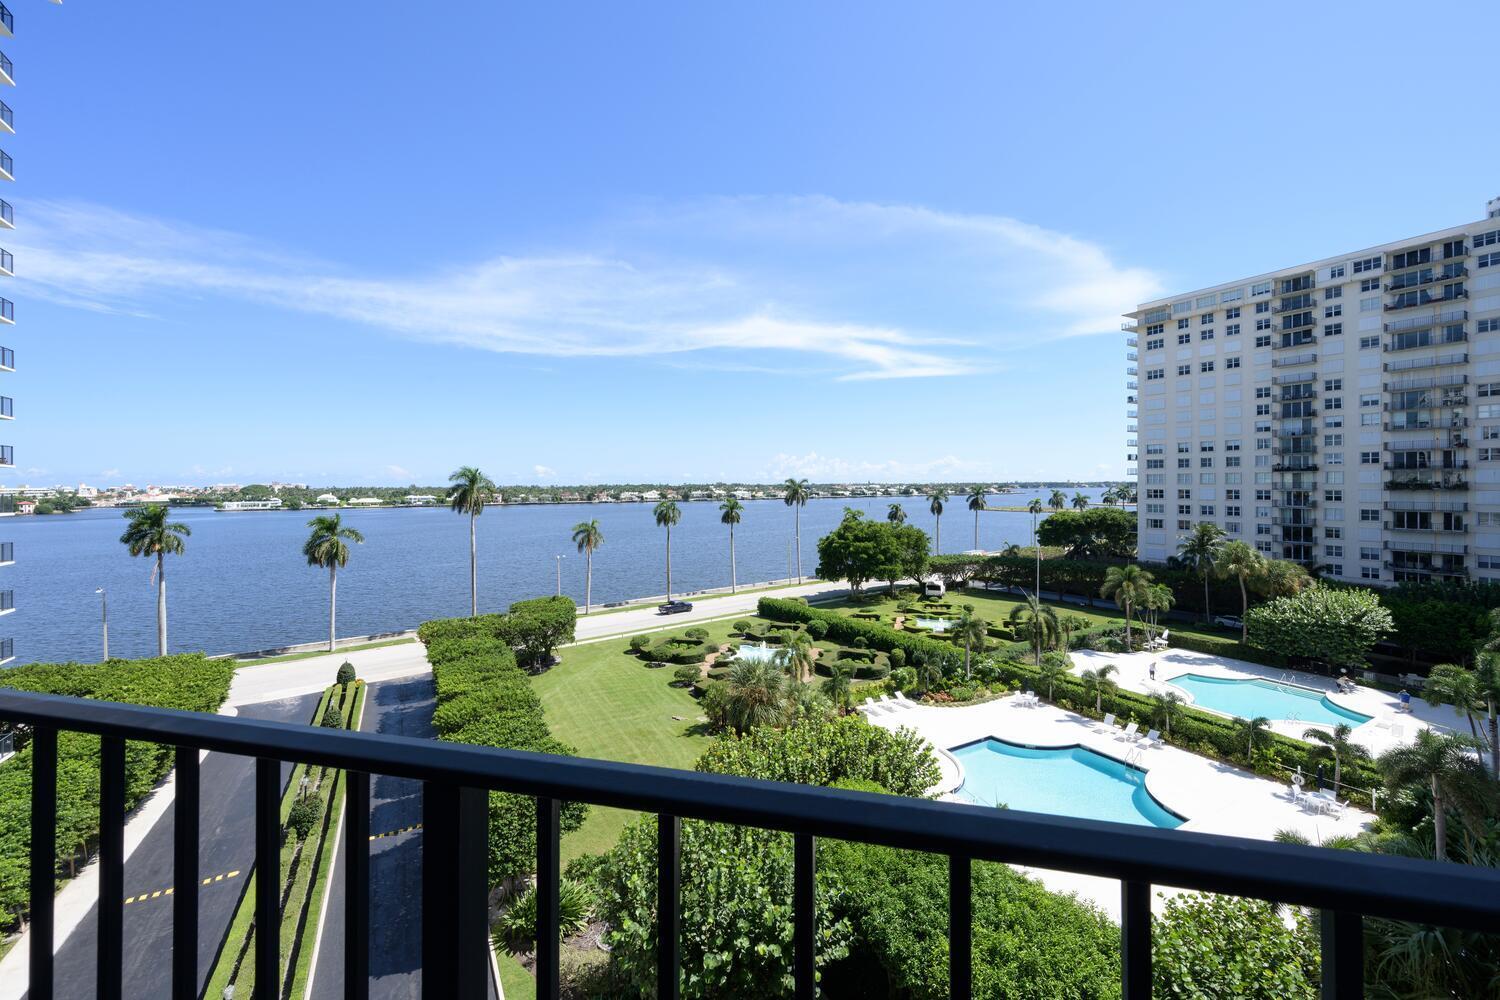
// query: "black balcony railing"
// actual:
[[7, 262], [7, 19], [6, 67], [7, 213], [7, 551], [7, 600], [7, 310], [1344, 886], [7, 455], [7, 358], [7, 650], [7, 407]]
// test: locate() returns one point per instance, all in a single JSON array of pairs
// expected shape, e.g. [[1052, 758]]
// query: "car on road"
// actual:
[[673, 608], [1229, 621]]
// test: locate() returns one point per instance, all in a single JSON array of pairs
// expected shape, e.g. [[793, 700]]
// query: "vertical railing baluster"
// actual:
[[110, 955], [960, 929], [548, 834], [805, 916], [1343, 955], [43, 859], [1135, 940], [668, 906], [185, 877], [357, 887], [472, 892], [439, 832], [267, 879]]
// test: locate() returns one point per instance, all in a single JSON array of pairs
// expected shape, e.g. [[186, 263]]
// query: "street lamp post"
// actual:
[[559, 574], [104, 620]]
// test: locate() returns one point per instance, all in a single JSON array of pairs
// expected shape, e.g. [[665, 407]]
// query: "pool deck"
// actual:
[[1214, 797], [1376, 736]]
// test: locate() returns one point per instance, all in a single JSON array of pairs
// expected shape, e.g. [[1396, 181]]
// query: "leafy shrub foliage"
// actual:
[[1222, 946], [1334, 625]]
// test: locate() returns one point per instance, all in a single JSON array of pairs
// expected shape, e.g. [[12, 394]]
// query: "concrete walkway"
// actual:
[[1212, 796]]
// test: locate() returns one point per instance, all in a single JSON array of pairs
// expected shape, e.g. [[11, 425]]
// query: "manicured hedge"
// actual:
[[1232, 648], [531, 629], [190, 682], [844, 630], [484, 698]]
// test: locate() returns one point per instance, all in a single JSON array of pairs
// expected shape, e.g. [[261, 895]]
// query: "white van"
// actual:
[[933, 589]]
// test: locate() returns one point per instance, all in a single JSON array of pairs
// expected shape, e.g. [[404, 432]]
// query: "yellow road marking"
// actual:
[[212, 879], [393, 833]]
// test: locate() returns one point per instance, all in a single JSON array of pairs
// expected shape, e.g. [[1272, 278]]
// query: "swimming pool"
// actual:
[[1068, 781], [1252, 697]]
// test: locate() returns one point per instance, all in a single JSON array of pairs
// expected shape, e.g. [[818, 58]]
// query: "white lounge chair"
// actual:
[[1129, 733], [1329, 802], [1109, 721], [1151, 739]]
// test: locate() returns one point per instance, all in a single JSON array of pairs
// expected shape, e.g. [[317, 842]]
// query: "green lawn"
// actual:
[[608, 704], [517, 983]]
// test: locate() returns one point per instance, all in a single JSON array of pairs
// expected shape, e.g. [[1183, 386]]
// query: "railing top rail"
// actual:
[[1382, 886]]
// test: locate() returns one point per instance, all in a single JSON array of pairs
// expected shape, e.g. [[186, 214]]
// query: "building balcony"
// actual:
[[1435, 319], [7, 456], [1129, 326], [7, 167], [1290, 466], [7, 651], [1431, 480], [1432, 506], [7, 71], [7, 360], [1295, 359], [1452, 571], [1457, 463], [1431, 529], [456, 780], [1420, 342], [7, 215], [7, 119], [1131, 384], [1130, 356], [7, 264], [7, 553], [7, 312], [1409, 301], [1428, 444], [7, 22], [7, 406], [7, 602], [1130, 342], [1132, 371], [1414, 364]]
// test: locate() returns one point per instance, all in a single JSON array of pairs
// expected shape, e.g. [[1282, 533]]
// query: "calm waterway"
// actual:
[[243, 583]]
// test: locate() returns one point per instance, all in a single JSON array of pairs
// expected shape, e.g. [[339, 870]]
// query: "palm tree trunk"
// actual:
[[669, 562], [161, 604], [1128, 644], [1439, 822], [797, 519], [1494, 742], [588, 586], [976, 531], [937, 536], [733, 579], [1205, 598], [473, 570], [1245, 611], [333, 601]]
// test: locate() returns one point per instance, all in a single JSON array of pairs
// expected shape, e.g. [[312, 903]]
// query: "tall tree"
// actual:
[[328, 548], [895, 514], [935, 501], [470, 491], [797, 495], [730, 513], [972, 631], [588, 536], [667, 514], [1157, 601], [1240, 560], [1456, 685], [1099, 683], [1129, 586], [1445, 767], [1255, 732], [977, 498], [756, 695], [838, 687], [799, 656], [1049, 672], [1037, 620], [148, 533], [1200, 550], [1035, 509], [1058, 500], [1080, 502]]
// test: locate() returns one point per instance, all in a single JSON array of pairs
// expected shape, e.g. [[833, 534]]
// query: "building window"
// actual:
[[1333, 440], [1264, 341], [1262, 409], [1205, 319], [1184, 369], [1333, 403], [1205, 367], [1365, 343], [1369, 458], [1368, 264], [1206, 335], [1489, 259], [1369, 514], [1333, 329], [1332, 293], [1206, 510], [1233, 313], [1333, 496], [1489, 325], [1182, 324], [1233, 362], [1369, 305], [1333, 385], [1333, 311], [1154, 522], [1333, 533], [1486, 239], [1336, 271], [1232, 330], [1261, 288], [1263, 324], [1184, 338], [1334, 550], [1369, 572], [1369, 420]]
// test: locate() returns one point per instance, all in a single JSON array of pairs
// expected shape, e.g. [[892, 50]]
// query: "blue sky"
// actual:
[[578, 242]]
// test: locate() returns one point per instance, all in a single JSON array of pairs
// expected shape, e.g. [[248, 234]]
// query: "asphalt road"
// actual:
[[402, 708], [226, 844]]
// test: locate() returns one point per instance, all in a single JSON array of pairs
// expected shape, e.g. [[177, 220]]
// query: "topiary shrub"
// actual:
[[345, 676], [898, 658], [743, 626], [639, 643], [860, 642], [332, 717], [685, 675], [304, 815], [817, 628], [697, 632]]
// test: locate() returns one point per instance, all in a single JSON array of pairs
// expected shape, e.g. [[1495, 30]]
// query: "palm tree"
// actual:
[[1166, 706], [1098, 683], [1200, 550], [797, 495], [1255, 732], [895, 513], [1336, 744], [1058, 500], [588, 537], [1280, 578], [1444, 765], [799, 656], [756, 695], [1035, 507], [1037, 619], [1049, 672], [1070, 624], [470, 489], [148, 533], [1241, 561], [972, 631], [838, 687], [327, 548], [935, 501], [1080, 502], [730, 512], [976, 504], [1459, 687], [1129, 586], [1157, 601], [667, 514], [1487, 677]]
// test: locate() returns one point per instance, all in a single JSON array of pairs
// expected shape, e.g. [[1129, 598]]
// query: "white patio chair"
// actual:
[[1130, 731], [1109, 721], [1151, 739], [1328, 802]]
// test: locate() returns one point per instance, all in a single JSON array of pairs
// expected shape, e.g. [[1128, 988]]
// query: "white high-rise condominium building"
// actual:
[[1343, 413]]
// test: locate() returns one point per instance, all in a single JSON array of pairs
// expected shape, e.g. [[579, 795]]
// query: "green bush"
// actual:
[[332, 717], [304, 815], [345, 676], [188, 682], [1221, 946], [817, 629], [638, 643], [1226, 646], [685, 675], [898, 658], [697, 632], [820, 751], [858, 655], [1334, 625], [743, 626], [485, 699], [516, 928]]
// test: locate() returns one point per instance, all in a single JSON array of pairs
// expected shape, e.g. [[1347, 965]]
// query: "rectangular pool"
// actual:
[[1253, 696]]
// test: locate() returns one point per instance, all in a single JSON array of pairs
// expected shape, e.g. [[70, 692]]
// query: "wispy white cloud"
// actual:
[[543, 472], [869, 291]]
